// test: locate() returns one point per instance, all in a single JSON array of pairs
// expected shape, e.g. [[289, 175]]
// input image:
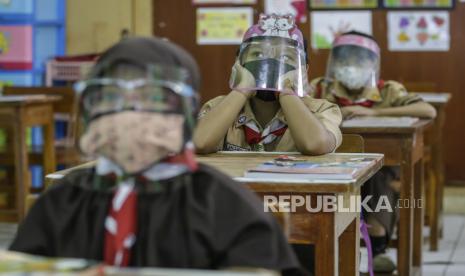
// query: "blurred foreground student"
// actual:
[[147, 202], [353, 83], [268, 108]]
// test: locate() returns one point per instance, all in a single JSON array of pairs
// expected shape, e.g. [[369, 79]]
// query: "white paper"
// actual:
[[223, 26], [326, 25], [418, 31]]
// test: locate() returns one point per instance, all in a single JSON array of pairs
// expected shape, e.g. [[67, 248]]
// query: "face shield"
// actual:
[[163, 89], [354, 62], [277, 64]]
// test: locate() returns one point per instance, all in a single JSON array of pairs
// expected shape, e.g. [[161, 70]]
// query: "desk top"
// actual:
[[420, 125], [27, 99], [18, 263], [435, 98], [235, 164]]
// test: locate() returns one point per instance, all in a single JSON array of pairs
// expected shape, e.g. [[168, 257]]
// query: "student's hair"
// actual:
[[360, 34]]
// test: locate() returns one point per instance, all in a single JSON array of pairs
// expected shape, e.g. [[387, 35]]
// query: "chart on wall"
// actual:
[[233, 2], [343, 4], [440, 4], [298, 8], [326, 25], [418, 31], [216, 26]]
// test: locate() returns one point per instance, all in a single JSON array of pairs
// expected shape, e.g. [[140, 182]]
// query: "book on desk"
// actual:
[[288, 168]]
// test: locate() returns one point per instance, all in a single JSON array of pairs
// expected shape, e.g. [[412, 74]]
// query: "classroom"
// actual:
[[232, 137]]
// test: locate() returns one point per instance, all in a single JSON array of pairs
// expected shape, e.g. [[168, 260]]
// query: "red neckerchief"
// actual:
[[347, 102], [253, 136], [121, 221]]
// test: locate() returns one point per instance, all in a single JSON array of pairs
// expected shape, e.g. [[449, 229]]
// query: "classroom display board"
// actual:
[[326, 25], [233, 2], [418, 31], [222, 26], [343, 4], [298, 8], [416, 4]]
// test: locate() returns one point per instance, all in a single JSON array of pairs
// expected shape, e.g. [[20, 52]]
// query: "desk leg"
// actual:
[[22, 176], [404, 249], [326, 250], [418, 214], [349, 259], [49, 146]]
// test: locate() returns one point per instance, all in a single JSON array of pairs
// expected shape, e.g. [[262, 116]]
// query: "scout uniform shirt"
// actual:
[[387, 94], [246, 134]]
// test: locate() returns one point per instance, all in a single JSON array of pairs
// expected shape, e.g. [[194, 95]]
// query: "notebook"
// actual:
[[300, 169]]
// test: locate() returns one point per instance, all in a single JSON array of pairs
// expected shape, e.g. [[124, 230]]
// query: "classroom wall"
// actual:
[[434, 71], [92, 26]]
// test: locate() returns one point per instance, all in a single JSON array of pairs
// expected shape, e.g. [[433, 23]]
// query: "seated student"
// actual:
[[353, 83], [147, 203], [268, 108]]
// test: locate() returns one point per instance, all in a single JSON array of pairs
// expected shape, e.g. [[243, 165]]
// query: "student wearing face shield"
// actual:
[[268, 108], [147, 202], [353, 82]]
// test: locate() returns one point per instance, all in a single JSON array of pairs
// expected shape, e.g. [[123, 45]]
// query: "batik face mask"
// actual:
[[352, 77], [134, 140]]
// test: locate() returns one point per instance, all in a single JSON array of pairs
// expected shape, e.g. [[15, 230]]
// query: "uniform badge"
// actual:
[[241, 119]]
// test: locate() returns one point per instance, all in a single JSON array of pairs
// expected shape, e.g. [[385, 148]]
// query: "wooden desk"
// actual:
[[18, 113], [402, 146], [435, 167], [328, 231]]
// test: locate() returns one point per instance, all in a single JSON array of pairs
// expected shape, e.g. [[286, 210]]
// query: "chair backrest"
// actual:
[[66, 106], [351, 143]]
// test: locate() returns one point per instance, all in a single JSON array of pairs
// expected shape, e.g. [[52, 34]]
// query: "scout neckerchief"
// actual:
[[341, 101], [274, 130], [121, 221]]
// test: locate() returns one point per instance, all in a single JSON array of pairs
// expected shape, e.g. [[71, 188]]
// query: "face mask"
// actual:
[[134, 140], [352, 77], [266, 71]]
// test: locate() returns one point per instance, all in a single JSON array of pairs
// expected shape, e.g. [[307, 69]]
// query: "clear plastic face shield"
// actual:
[[275, 64], [354, 62], [159, 88]]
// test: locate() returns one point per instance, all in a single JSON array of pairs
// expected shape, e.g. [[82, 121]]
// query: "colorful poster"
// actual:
[[216, 26], [15, 47], [343, 4], [234, 2], [418, 4], [326, 25], [418, 31], [298, 8]]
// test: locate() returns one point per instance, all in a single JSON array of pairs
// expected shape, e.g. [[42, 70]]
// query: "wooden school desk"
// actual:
[[334, 234], [329, 232], [402, 146], [18, 113], [435, 167]]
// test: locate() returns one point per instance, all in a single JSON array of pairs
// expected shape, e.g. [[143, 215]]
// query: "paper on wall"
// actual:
[[418, 31], [326, 25]]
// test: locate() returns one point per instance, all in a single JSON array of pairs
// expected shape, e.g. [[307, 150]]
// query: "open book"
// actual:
[[292, 169]]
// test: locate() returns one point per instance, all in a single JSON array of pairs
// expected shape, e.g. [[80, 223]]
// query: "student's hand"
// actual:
[[246, 80], [288, 82], [356, 110]]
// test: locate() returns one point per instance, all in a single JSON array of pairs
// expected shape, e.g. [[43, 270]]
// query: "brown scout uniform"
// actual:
[[236, 140], [387, 94]]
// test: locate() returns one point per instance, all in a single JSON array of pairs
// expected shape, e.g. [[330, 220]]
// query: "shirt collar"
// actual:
[[247, 115], [160, 171]]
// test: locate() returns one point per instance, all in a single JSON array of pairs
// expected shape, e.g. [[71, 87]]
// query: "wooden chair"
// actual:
[[65, 110], [351, 143]]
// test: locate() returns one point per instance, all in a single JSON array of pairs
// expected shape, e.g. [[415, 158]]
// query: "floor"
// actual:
[[448, 261]]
